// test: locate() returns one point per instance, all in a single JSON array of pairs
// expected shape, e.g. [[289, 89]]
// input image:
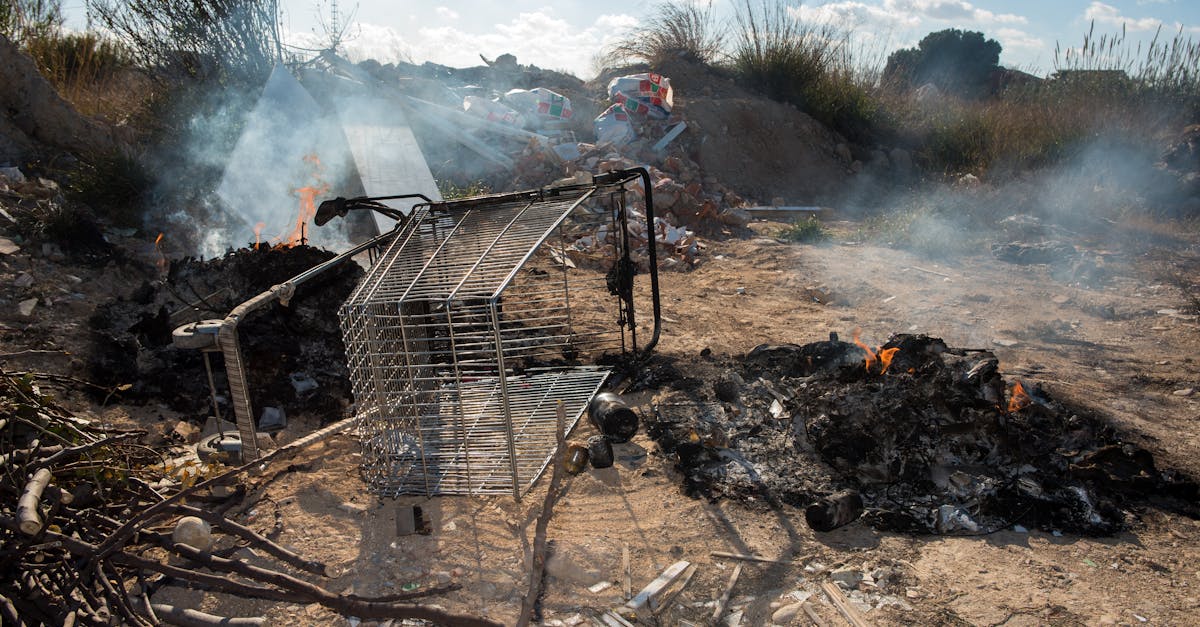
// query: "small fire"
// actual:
[[885, 358], [882, 355], [870, 353], [161, 262], [308, 208], [1019, 399]]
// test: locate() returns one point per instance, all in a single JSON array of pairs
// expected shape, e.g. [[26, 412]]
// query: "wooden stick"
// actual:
[[627, 566], [934, 272], [130, 526], [191, 618], [537, 569], [723, 601], [29, 518], [295, 590], [843, 605], [755, 558], [259, 541], [812, 615], [9, 612], [75, 451]]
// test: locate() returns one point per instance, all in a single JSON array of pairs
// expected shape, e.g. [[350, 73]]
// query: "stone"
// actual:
[[193, 532], [1184, 392], [786, 614], [23, 280], [848, 578], [8, 247], [25, 307], [187, 432]]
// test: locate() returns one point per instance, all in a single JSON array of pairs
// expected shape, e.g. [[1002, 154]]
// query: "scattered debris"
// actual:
[[935, 441]]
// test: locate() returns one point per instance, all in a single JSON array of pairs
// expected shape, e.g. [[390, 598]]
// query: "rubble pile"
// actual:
[[933, 438], [295, 354]]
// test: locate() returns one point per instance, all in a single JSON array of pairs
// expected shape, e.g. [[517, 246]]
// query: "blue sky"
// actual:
[[567, 34]]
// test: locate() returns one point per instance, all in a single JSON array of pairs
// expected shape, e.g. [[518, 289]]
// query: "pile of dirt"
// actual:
[[934, 441], [33, 117], [295, 355]]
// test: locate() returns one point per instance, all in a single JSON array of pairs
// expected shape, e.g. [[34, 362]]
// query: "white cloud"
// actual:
[[902, 14], [1101, 13], [854, 15], [953, 11], [1013, 39], [446, 13], [537, 37]]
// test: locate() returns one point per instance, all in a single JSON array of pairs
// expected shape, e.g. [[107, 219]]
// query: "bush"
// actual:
[[677, 28], [808, 65]]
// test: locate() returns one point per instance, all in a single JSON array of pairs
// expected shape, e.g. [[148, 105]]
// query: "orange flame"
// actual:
[[1019, 399], [161, 262], [870, 353], [258, 233], [885, 358]]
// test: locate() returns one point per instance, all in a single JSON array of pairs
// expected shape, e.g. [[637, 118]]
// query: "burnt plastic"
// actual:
[[612, 417], [834, 511], [601, 451], [575, 460]]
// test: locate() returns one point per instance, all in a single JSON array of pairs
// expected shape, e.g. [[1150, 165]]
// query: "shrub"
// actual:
[[809, 230], [228, 40], [806, 64], [676, 28]]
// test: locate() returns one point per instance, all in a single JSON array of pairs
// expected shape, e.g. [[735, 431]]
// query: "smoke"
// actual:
[[255, 153]]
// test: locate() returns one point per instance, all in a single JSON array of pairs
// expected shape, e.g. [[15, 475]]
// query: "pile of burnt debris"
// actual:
[[295, 355], [932, 438]]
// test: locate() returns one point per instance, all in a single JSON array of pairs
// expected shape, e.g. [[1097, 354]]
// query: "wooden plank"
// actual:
[[647, 600], [670, 597], [723, 601], [842, 604]]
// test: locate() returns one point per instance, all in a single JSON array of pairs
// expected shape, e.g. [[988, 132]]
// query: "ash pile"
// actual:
[[295, 355], [932, 438]]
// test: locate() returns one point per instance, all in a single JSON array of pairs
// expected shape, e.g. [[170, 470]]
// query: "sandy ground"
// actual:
[[1125, 348]]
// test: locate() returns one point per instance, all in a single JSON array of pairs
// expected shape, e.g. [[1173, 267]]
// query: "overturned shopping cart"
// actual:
[[481, 317]]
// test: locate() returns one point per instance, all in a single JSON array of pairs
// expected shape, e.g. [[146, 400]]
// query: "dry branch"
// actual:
[[192, 618], [29, 516]]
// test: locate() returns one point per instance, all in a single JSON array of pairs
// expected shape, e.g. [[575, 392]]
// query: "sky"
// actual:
[[568, 34]]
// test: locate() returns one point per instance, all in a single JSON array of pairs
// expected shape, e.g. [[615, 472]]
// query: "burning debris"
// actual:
[[296, 353], [932, 437]]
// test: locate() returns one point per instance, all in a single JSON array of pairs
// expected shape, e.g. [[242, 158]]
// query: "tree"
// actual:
[[955, 61]]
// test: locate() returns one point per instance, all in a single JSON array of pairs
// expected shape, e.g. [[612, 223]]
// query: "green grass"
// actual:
[[451, 190], [806, 231]]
